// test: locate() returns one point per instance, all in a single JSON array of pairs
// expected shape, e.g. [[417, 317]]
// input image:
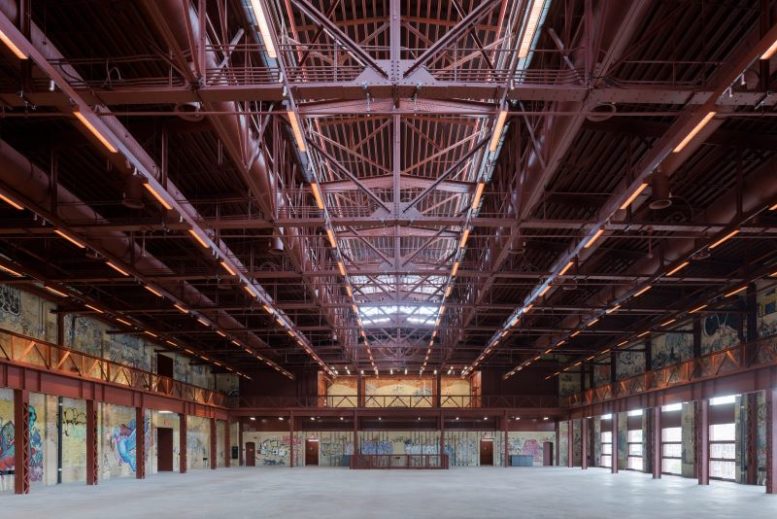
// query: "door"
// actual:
[[250, 454], [486, 451], [164, 449], [311, 452]]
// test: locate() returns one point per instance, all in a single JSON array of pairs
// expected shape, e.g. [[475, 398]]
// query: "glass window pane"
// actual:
[[607, 448], [635, 449], [606, 461], [672, 434], [723, 450], [635, 463], [672, 466], [607, 437], [672, 450], [722, 469], [635, 436], [723, 432]]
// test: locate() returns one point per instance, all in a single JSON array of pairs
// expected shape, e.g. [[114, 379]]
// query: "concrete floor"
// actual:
[[342, 493]]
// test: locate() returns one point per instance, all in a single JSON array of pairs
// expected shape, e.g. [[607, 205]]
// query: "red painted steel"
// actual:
[[655, 442], [21, 400], [92, 438], [183, 445], [615, 441], [140, 442], [702, 430], [213, 457], [771, 441]]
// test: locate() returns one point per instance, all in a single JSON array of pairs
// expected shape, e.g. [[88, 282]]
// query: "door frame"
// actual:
[[317, 443], [480, 452]]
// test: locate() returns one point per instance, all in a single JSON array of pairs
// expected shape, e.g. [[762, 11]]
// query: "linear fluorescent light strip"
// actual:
[[532, 22], [645, 289], [181, 309], [724, 239], [766, 55], [693, 133], [464, 238], [19, 53], [316, 190], [296, 129], [479, 194], [70, 239], [498, 127], [566, 268], [117, 268], [157, 196], [94, 131], [736, 291], [199, 239], [229, 269], [10, 201], [593, 238], [697, 309], [633, 196], [678, 268], [331, 236], [55, 291], [10, 271], [264, 28], [153, 291]]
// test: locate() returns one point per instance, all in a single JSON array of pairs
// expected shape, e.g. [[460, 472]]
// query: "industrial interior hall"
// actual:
[[254, 254]]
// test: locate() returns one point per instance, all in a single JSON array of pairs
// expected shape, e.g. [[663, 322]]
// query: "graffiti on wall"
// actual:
[[123, 442], [671, 348], [719, 331], [8, 451]]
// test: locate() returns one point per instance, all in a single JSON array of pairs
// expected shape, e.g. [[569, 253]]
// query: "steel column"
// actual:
[[140, 442], [506, 444], [615, 456], [585, 439], [771, 441], [21, 400], [182, 444], [702, 425], [571, 443], [227, 443], [213, 444], [655, 442], [92, 460], [751, 453], [291, 439]]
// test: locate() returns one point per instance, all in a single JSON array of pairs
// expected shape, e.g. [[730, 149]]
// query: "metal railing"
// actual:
[[28, 351], [742, 357], [399, 461], [399, 401]]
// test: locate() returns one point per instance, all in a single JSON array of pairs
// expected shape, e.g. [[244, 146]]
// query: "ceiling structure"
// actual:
[[388, 184]]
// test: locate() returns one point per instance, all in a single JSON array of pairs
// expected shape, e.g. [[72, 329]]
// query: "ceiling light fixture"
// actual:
[[478, 195], [464, 238], [94, 131], [199, 239], [566, 268], [153, 291], [157, 196], [643, 290], [613, 309], [736, 291], [455, 268], [498, 127], [12, 46], [693, 133], [331, 235], [341, 268], [70, 239], [181, 309], [593, 239], [316, 190], [10, 201], [264, 28], [228, 268], [697, 309], [725, 238], [770, 51], [626, 203], [532, 23], [296, 129], [55, 291], [10, 271], [678, 268], [117, 268]]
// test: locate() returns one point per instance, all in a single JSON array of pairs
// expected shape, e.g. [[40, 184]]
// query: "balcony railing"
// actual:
[[28, 351], [398, 401], [752, 355]]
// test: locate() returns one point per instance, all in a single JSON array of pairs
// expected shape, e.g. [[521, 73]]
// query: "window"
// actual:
[[606, 459], [723, 451], [672, 450], [634, 441]]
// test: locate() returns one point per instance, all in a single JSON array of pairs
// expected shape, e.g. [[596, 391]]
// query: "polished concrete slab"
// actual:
[[491, 492]]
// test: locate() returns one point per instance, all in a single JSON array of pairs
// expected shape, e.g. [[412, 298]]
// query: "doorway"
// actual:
[[311, 452], [164, 449], [250, 454], [486, 451], [164, 365]]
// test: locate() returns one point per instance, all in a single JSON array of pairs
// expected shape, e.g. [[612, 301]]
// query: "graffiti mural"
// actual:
[[630, 363], [672, 348], [767, 311], [123, 442], [719, 331], [8, 451], [529, 444]]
